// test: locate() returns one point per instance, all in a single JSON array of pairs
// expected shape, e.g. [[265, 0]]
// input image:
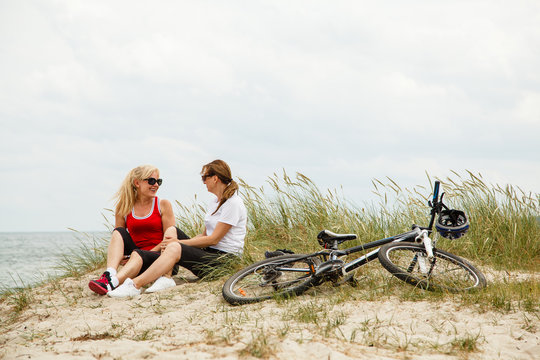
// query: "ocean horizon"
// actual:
[[28, 258]]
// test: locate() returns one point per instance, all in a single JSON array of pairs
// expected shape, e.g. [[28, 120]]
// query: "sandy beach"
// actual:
[[192, 321]]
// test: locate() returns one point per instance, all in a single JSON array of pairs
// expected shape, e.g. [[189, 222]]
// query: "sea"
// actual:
[[28, 258]]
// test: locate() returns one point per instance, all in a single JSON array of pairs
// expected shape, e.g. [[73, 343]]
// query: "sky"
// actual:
[[343, 92]]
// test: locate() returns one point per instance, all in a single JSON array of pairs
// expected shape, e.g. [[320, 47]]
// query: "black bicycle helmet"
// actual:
[[452, 224]]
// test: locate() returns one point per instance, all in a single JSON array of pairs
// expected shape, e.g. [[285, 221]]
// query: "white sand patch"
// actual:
[[192, 321]]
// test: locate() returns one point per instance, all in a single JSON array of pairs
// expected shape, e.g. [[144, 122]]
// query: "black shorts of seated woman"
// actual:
[[223, 237]]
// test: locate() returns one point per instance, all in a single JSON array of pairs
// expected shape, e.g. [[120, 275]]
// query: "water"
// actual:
[[30, 257]]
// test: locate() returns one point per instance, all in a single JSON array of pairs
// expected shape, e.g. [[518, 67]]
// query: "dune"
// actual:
[[64, 319]]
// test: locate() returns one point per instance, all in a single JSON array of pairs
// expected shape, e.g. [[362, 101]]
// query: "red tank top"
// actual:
[[146, 231]]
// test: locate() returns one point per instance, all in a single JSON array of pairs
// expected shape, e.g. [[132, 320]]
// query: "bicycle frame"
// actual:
[[364, 259]]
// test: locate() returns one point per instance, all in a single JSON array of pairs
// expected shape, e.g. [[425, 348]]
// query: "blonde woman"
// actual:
[[141, 219], [222, 238]]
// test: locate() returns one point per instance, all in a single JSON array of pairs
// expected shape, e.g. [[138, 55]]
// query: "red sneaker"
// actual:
[[102, 285]]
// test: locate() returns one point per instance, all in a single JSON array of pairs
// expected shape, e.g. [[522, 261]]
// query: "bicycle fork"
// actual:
[[422, 260]]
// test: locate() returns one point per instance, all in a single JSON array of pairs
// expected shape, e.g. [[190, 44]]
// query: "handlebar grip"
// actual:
[[436, 192]]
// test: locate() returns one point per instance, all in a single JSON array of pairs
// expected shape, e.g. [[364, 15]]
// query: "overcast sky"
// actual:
[[342, 91]]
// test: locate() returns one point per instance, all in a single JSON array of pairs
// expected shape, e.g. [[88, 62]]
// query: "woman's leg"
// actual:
[[170, 233], [121, 244], [199, 261], [174, 233], [115, 251], [161, 266], [132, 267]]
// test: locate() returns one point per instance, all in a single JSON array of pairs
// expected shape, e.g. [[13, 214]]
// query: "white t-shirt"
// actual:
[[232, 212]]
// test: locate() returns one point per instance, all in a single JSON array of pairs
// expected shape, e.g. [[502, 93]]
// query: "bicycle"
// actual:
[[411, 256]]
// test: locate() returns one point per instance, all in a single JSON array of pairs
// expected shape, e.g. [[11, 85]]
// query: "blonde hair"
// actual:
[[126, 196], [223, 172]]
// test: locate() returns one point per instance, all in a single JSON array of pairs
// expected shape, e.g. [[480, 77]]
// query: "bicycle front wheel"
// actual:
[[279, 276], [446, 272]]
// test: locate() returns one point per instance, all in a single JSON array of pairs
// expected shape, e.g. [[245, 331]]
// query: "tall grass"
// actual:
[[289, 212], [505, 229], [295, 210], [90, 254]]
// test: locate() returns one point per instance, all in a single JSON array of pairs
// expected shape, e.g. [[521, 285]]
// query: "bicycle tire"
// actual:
[[261, 281], [447, 272]]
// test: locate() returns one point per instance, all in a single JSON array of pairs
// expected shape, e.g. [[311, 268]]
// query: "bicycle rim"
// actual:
[[447, 272], [270, 278]]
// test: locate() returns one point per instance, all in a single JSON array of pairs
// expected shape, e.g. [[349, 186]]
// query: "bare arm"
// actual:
[[167, 219], [119, 221], [167, 215], [203, 240]]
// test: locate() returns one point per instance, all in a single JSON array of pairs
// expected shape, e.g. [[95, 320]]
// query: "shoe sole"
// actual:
[[98, 289], [160, 289]]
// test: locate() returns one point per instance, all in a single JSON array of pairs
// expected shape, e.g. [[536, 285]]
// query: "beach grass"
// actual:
[[288, 213], [504, 231], [89, 255]]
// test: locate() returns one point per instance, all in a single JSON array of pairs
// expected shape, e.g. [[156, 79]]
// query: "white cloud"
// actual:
[[343, 92], [528, 108]]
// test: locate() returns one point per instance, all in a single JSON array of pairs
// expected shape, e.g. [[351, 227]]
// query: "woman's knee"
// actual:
[[135, 258], [116, 234], [117, 240], [174, 250], [119, 234], [170, 232]]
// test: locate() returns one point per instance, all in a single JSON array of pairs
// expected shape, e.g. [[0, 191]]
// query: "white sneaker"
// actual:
[[127, 289], [161, 284]]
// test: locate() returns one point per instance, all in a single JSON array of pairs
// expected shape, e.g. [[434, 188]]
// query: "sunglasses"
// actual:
[[204, 177], [153, 181]]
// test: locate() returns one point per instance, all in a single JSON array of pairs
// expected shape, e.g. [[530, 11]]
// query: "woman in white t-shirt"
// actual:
[[223, 237]]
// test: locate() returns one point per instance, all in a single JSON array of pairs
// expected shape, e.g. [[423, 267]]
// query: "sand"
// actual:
[[192, 321]]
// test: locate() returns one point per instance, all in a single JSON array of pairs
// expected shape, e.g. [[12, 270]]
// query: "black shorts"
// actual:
[[129, 245], [147, 256], [200, 262]]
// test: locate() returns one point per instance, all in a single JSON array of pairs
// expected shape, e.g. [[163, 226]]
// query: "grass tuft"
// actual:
[[89, 255]]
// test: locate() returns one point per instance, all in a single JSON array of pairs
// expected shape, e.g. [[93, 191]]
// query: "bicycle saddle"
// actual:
[[326, 236]]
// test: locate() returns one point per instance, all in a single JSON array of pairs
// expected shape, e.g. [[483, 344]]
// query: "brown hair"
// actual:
[[223, 172], [127, 194]]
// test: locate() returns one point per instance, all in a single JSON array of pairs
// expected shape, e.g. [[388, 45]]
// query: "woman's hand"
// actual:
[[167, 240]]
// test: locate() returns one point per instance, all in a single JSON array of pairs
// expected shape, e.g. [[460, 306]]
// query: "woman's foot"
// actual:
[[127, 289], [102, 285], [161, 284]]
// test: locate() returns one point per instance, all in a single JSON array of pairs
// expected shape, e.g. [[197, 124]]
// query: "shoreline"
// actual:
[[46, 252]]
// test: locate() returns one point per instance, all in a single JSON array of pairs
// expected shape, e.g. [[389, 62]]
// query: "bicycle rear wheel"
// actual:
[[275, 277], [446, 272]]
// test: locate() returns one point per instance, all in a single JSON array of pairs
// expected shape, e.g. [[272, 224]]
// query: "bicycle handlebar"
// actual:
[[434, 204], [436, 192]]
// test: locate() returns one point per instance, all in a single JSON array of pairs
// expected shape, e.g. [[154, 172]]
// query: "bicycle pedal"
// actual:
[[271, 254]]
